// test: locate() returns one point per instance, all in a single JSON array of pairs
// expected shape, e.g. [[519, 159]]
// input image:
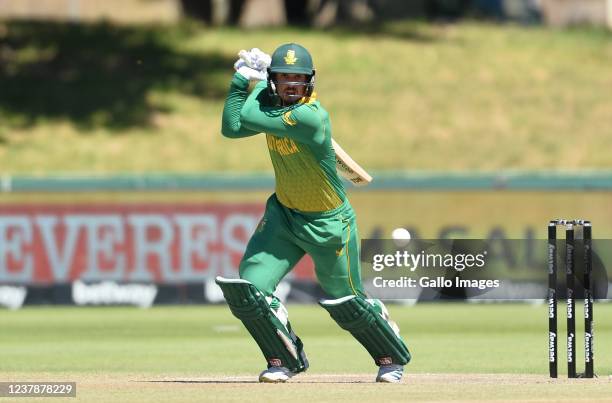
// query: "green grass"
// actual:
[[203, 353], [103, 98], [445, 338]]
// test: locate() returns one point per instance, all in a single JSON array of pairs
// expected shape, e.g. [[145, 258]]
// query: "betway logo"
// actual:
[[570, 347], [551, 308], [551, 258], [552, 337], [587, 346], [110, 293]]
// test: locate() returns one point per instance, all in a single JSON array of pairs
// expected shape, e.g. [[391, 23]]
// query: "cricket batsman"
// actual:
[[308, 213]]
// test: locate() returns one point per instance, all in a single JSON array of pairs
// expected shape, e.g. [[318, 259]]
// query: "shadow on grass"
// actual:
[[99, 75]]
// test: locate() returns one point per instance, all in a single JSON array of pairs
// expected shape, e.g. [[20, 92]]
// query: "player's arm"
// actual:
[[301, 123], [230, 122]]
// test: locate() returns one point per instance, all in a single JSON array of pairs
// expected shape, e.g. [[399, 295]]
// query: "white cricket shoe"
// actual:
[[391, 373], [275, 375]]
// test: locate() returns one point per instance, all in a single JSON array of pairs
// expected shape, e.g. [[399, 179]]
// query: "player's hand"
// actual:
[[249, 73], [256, 59]]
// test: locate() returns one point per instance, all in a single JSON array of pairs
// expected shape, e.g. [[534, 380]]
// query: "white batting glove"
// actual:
[[256, 59], [249, 73]]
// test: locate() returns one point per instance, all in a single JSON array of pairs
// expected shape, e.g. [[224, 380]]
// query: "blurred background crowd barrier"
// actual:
[[163, 239]]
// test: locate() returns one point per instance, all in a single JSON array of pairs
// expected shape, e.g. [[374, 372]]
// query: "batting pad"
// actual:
[[361, 319], [278, 343]]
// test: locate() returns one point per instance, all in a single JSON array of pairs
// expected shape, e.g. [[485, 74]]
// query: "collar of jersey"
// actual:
[[308, 100]]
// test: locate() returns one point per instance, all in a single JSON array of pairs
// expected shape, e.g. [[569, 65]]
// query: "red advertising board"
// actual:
[[160, 243]]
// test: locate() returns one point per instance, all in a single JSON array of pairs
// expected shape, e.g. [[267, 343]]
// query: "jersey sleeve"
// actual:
[[301, 123], [230, 121]]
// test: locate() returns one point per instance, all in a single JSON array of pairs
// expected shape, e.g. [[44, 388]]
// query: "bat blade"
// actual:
[[349, 169]]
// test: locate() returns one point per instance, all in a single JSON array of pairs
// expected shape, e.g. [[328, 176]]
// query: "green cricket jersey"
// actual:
[[299, 142]]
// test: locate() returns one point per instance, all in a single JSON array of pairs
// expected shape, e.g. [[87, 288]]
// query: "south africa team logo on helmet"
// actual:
[[291, 58]]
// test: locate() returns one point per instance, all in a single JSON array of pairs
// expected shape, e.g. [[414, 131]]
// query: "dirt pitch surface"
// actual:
[[331, 387]]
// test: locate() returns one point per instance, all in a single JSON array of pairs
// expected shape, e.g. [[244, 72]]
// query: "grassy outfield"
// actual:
[[461, 352], [401, 96]]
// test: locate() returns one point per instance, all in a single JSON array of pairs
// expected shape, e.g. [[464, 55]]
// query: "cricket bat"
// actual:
[[349, 169]]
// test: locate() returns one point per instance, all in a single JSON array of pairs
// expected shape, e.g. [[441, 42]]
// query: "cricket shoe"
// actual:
[[276, 375], [391, 373]]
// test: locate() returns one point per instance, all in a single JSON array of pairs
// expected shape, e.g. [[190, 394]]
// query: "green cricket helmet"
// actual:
[[291, 58]]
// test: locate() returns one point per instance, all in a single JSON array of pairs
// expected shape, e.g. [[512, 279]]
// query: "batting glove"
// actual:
[[256, 59], [249, 73]]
